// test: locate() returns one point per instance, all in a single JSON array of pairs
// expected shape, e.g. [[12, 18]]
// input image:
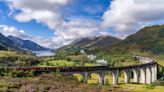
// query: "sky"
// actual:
[[55, 23]]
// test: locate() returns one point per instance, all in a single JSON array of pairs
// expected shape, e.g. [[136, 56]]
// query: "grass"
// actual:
[[56, 63], [7, 53], [47, 82], [76, 57], [133, 87], [160, 61], [142, 88], [51, 83], [62, 63], [13, 54]]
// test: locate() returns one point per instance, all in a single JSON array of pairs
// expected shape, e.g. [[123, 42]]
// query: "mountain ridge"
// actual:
[[27, 44], [15, 43], [148, 39], [91, 42]]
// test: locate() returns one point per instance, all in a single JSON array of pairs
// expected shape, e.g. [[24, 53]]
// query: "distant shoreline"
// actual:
[[43, 53]]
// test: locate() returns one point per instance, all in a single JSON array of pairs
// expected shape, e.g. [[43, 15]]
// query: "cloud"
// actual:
[[43, 42], [75, 29], [6, 30], [123, 17], [127, 16], [43, 11], [10, 30], [49, 12]]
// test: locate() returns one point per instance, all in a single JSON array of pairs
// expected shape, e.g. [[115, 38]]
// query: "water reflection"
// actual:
[[43, 53]]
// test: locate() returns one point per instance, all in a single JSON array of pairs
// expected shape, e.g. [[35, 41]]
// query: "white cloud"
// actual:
[[49, 12], [75, 29], [123, 17], [43, 42], [6, 30], [43, 11], [127, 16]]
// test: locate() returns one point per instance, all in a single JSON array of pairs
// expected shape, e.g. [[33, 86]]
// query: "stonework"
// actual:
[[145, 73]]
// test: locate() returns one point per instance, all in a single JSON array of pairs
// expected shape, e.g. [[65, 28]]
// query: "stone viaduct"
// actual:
[[145, 73]]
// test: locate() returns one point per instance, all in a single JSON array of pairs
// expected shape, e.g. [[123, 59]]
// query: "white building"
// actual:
[[91, 57], [102, 62]]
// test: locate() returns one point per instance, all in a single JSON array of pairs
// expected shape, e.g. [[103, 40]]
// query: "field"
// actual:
[[49, 83], [9, 83], [59, 83], [14, 54], [62, 63], [142, 88], [7, 53], [132, 87]]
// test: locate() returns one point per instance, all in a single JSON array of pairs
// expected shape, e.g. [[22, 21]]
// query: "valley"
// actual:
[[86, 54], [81, 46]]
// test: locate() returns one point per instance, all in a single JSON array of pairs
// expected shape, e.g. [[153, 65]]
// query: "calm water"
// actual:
[[43, 53]]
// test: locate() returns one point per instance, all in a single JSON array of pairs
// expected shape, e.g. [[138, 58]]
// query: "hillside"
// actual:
[[5, 42], [26, 44], [91, 42], [15, 43], [52, 83], [148, 39], [2, 47]]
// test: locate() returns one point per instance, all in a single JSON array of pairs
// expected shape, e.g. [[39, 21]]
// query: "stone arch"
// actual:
[[94, 78], [78, 76], [115, 75], [108, 78], [148, 75], [135, 75], [142, 76], [121, 77], [125, 75]]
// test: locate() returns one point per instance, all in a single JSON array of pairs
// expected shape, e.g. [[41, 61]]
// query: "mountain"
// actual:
[[148, 39], [91, 42], [2, 47], [5, 42], [26, 44], [15, 43]]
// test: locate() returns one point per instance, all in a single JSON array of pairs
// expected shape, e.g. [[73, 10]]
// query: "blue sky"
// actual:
[[78, 9], [54, 23], [31, 27]]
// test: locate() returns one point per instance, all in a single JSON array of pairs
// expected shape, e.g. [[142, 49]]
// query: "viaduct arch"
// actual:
[[145, 73]]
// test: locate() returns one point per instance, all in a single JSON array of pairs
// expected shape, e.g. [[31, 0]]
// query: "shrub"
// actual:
[[150, 86]]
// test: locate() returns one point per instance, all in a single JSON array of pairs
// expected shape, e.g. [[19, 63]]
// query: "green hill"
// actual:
[[149, 39], [92, 42], [18, 44]]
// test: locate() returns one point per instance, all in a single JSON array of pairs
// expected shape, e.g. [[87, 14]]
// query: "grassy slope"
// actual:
[[147, 39], [92, 42], [14, 54], [51, 83], [130, 87], [62, 63], [7, 53]]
